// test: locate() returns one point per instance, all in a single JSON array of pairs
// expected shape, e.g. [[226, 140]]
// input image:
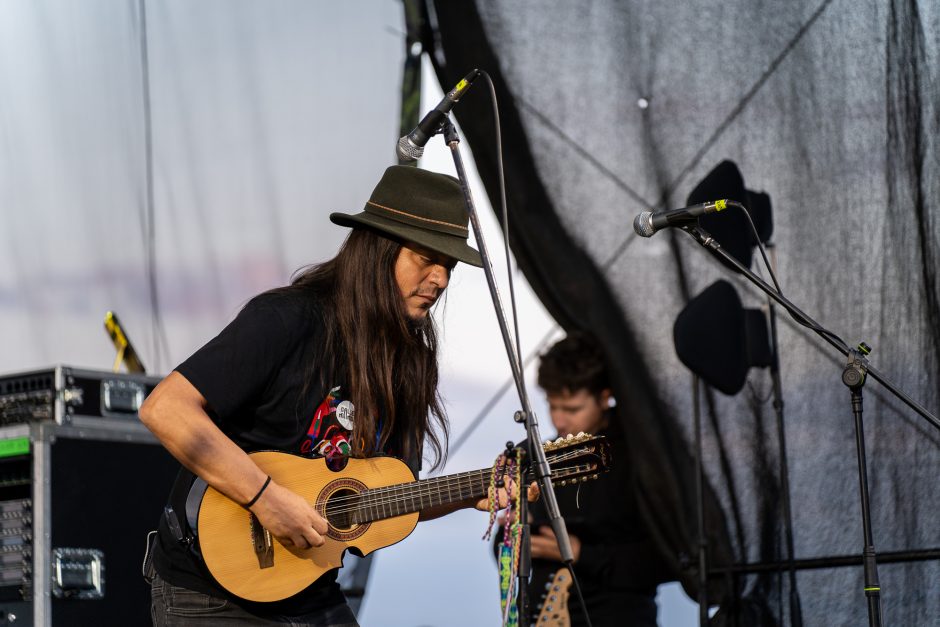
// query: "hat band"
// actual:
[[461, 230]]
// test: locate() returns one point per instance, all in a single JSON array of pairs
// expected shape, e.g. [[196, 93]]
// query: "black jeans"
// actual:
[[173, 606]]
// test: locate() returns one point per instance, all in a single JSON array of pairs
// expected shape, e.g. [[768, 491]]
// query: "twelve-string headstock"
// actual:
[[576, 458]]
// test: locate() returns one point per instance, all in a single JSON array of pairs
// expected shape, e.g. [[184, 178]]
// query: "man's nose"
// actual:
[[439, 276]]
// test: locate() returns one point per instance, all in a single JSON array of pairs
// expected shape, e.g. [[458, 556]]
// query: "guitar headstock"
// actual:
[[577, 457], [552, 605]]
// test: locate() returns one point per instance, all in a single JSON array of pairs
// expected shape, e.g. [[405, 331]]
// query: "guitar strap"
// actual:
[[507, 592], [183, 527], [193, 499], [506, 468]]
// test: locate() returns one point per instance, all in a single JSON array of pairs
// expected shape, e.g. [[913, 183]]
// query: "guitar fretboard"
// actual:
[[406, 498]]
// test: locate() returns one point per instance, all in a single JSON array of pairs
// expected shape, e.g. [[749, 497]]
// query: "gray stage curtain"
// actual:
[[833, 109]]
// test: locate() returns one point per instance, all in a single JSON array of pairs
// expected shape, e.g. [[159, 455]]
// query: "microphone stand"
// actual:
[[854, 377], [796, 612], [537, 455], [700, 507]]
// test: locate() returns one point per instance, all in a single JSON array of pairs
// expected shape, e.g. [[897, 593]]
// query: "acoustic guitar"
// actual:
[[370, 504]]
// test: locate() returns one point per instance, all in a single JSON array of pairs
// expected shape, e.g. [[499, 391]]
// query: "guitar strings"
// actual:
[[384, 495], [389, 507], [459, 478], [471, 474], [365, 500], [387, 496]]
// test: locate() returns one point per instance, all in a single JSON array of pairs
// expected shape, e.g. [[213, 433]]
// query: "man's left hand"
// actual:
[[504, 494]]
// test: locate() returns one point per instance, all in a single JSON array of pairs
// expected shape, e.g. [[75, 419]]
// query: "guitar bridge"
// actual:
[[263, 543]]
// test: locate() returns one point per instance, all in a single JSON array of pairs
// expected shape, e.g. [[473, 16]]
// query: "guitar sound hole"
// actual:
[[340, 509]]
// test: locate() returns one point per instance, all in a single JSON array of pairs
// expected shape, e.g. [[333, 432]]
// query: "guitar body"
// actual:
[[229, 535]]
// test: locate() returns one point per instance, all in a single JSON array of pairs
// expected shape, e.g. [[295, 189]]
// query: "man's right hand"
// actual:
[[176, 413], [290, 518]]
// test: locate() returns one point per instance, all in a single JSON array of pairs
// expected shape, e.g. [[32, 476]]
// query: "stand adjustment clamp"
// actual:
[[856, 368]]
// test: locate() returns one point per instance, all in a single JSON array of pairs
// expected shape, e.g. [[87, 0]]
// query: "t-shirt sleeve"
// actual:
[[236, 366]]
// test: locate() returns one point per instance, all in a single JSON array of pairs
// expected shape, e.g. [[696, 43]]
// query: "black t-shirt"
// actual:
[[266, 387]]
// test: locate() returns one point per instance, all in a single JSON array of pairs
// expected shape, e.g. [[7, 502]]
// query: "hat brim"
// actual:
[[450, 245]]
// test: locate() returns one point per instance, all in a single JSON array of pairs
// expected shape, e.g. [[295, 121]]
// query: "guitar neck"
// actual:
[[572, 459], [406, 498]]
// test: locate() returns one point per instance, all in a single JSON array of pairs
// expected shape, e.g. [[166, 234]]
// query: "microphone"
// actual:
[[411, 146], [648, 222]]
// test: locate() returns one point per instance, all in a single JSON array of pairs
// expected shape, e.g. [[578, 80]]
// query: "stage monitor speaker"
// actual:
[[76, 503]]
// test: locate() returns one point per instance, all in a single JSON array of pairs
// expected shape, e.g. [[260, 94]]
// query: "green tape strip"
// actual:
[[14, 447]]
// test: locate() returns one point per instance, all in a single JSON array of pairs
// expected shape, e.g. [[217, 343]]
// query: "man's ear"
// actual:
[[603, 399]]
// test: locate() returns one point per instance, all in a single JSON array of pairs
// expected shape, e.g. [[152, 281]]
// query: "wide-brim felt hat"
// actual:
[[419, 206]]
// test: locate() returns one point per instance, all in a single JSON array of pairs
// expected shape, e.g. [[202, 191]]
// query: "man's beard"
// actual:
[[418, 326], [421, 323]]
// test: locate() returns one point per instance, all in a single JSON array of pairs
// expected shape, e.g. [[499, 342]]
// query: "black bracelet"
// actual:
[[258, 495]]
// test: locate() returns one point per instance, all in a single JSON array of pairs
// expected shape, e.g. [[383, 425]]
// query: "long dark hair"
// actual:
[[390, 360]]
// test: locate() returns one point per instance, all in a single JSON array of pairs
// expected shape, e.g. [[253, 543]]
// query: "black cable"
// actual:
[[512, 292], [488, 406], [793, 313], [504, 212], [577, 589], [796, 612], [887, 400]]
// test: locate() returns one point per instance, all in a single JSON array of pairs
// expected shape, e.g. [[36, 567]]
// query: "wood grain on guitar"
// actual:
[[370, 504]]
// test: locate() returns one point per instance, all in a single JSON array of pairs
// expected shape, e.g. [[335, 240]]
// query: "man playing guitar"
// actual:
[[340, 363]]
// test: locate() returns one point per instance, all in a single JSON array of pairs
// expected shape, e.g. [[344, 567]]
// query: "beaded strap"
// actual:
[[509, 550]]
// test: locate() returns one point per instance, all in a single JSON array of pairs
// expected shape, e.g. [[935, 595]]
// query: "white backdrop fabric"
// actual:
[[263, 118]]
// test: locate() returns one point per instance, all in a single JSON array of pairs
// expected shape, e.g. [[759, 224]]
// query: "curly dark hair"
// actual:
[[573, 364]]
